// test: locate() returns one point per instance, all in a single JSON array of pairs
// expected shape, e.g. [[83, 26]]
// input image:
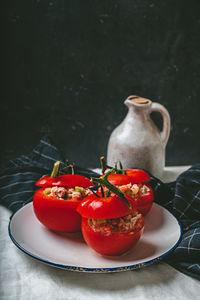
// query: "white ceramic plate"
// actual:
[[69, 251]]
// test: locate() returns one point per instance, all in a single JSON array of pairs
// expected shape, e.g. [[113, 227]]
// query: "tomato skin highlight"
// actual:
[[104, 208], [67, 180], [114, 244], [56, 214]]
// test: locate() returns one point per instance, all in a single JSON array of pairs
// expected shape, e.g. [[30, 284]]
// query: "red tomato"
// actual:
[[108, 208], [68, 180], [114, 244], [142, 201], [55, 213]]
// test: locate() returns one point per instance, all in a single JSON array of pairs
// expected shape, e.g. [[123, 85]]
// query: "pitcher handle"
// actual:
[[166, 121]]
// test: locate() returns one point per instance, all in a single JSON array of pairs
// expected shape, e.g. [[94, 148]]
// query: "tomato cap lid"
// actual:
[[132, 176], [67, 180], [104, 208]]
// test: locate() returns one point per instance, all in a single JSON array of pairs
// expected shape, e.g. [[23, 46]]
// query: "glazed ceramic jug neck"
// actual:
[[138, 107]]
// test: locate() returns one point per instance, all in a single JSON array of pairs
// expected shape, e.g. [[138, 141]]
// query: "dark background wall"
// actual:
[[69, 65]]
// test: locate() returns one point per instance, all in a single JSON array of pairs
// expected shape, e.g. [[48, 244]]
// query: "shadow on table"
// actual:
[[150, 275], [141, 251]]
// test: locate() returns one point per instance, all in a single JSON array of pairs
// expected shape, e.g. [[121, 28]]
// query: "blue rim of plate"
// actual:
[[91, 270]]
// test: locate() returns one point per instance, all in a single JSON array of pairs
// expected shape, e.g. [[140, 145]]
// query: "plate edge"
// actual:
[[91, 270]]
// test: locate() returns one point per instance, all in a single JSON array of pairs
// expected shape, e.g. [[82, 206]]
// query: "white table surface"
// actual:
[[23, 278]]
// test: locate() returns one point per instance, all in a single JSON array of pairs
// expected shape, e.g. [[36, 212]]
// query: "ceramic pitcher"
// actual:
[[137, 142]]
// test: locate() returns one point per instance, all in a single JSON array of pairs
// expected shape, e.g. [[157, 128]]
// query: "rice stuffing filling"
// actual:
[[127, 224], [77, 193], [134, 189]]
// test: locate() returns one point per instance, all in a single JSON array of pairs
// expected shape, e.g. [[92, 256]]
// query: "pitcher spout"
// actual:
[[137, 101]]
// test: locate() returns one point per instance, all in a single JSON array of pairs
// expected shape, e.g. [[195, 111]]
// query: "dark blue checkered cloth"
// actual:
[[181, 198]]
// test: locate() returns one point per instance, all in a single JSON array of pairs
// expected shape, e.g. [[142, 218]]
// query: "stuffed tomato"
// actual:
[[133, 183], [56, 201], [109, 225]]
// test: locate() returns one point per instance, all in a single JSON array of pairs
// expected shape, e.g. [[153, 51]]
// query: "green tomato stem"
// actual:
[[68, 169], [72, 167], [122, 169], [55, 171], [102, 191], [104, 181], [104, 166]]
